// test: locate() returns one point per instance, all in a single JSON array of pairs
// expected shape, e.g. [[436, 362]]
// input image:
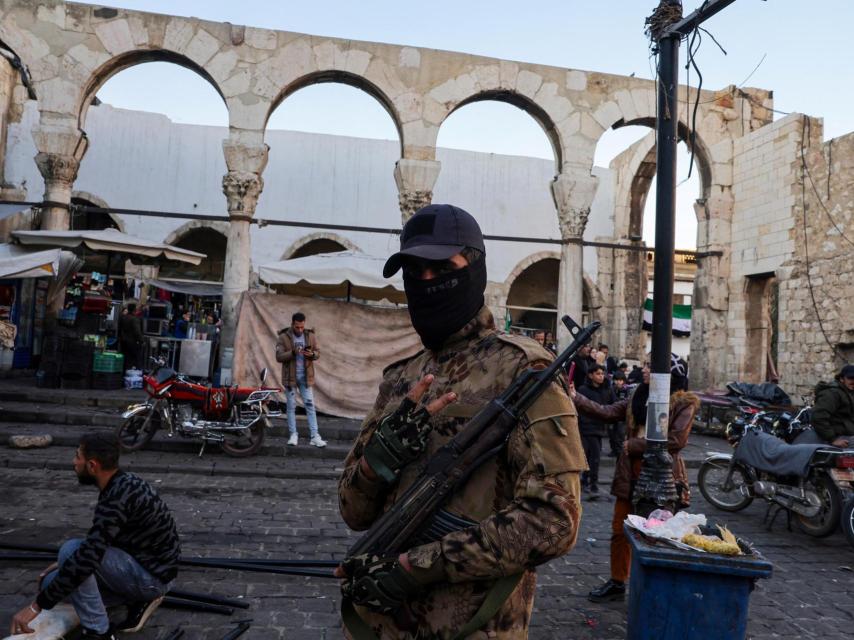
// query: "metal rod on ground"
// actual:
[[236, 633], [24, 556], [209, 598], [240, 566], [278, 562], [193, 605], [29, 547]]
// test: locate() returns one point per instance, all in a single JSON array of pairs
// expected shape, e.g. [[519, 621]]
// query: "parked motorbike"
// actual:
[[234, 417], [814, 495]]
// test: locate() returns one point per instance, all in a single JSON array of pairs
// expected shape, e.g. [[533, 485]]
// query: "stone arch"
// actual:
[[527, 262], [526, 104], [95, 201], [206, 237], [346, 245], [131, 58], [533, 284], [177, 234], [340, 77]]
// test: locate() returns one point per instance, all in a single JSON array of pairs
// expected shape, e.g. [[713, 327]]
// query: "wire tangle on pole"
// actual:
[[664, 15]]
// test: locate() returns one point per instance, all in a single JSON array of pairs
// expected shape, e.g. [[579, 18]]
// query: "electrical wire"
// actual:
[[805, 132]]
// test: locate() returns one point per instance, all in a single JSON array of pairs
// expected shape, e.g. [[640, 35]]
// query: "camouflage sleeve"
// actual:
[[361, 499], [541, 523]]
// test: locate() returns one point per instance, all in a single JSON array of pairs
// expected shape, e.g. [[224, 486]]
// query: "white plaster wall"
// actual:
[[139, 160]]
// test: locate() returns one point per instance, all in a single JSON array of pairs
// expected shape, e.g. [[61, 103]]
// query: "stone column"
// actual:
[[710, 302], [60, 150], [573, 196], [242, 189], [415, 180]]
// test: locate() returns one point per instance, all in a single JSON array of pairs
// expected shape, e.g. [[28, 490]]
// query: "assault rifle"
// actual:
[[481, 438]]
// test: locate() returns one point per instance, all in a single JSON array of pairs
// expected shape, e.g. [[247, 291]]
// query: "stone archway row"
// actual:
[[71, 49]]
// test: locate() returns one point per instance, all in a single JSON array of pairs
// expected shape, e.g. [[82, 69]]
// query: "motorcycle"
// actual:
[[234, 417], [808, 481]]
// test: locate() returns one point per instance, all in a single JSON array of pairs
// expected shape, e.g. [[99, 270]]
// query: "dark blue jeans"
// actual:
[[118, 580]]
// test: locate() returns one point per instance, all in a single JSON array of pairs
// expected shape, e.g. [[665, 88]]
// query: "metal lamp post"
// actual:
[[655, 487]]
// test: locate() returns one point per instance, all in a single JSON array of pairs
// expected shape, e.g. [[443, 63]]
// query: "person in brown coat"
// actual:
[[297, 350], [683, 408]]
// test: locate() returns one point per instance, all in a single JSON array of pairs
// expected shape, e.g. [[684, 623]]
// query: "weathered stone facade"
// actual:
[[71, 50], [749, 166]]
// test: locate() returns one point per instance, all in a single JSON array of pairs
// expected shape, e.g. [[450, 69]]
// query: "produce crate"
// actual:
[[108, 362]]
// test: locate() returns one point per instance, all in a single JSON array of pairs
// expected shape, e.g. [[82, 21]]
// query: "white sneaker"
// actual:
[[317, 441], [293, 440]]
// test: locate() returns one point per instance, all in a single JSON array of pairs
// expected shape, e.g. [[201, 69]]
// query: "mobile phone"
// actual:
[[571, 374]]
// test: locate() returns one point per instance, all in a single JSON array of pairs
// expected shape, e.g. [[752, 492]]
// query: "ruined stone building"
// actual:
[[773, 266]]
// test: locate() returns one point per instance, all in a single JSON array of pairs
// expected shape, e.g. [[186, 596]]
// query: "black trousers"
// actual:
[[593, 450], [617, 436]]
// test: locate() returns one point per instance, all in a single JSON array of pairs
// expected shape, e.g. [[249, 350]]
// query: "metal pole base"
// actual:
[[655, 488]]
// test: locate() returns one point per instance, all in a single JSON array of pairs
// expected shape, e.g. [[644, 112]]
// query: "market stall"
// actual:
[[25, 278], [83, 349]]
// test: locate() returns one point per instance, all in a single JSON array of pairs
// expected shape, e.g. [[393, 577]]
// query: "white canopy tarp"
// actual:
[[337, 274], [108, 240], [18, 262]]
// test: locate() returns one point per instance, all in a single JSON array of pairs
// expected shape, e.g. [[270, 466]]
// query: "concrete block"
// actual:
[[30, 442]]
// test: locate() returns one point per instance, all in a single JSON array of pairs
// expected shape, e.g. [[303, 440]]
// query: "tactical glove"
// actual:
[[398, 440], [380, 584]]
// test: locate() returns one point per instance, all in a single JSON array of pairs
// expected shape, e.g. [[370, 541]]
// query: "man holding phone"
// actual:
[[297, 351]]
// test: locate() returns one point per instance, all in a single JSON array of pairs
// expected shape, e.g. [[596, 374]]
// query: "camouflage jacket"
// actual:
[[525, 500]]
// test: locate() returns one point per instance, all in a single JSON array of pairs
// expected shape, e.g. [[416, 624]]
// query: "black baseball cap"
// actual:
[[436, 232], [847, 371]]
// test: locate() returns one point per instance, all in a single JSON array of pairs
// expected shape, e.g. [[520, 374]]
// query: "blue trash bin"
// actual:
[[676, 594]]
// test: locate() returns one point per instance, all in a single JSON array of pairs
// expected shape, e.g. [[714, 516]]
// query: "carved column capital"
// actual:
[[57, 168], [573, 195], [572, 223], [242, 189], [415, 180]]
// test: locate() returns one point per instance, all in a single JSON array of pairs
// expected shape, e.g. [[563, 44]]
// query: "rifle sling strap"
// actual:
[[497, 596]]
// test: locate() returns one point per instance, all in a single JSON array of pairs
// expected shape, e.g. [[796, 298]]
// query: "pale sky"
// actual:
[[804, 49]]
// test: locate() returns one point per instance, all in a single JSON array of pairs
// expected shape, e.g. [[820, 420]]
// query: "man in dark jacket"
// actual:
[[129, 556], [130, 336], [833, 411], [593, 429], [582, 362]]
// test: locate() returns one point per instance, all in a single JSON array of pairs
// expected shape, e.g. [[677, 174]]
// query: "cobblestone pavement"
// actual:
[[221, 512]]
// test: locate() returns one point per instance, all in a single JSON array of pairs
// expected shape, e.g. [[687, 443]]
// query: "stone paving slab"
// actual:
[[224, 511]]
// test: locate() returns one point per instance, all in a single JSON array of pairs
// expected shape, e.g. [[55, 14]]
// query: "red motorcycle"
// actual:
[[234, 417]]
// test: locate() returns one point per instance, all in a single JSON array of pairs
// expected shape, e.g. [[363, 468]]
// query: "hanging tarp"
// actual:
[[681, 318], [342, 274], [355, 343], [108, 241], [199, 289], [20, 262]]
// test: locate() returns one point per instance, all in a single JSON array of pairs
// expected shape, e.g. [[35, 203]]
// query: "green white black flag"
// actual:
[[681, 318]]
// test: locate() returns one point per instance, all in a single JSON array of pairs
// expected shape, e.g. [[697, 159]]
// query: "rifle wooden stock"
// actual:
[[454, 462]]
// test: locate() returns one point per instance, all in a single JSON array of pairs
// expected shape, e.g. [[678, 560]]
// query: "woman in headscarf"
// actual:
[[683, 408]]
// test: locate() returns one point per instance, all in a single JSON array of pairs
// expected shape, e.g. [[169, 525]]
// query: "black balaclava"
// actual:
[[441, 306]]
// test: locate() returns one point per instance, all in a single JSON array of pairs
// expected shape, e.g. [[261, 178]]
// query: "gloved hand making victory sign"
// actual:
[[401, 437], [383, 584]]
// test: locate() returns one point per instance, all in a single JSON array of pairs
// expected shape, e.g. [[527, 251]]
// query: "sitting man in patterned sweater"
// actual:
[[129, 556]]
